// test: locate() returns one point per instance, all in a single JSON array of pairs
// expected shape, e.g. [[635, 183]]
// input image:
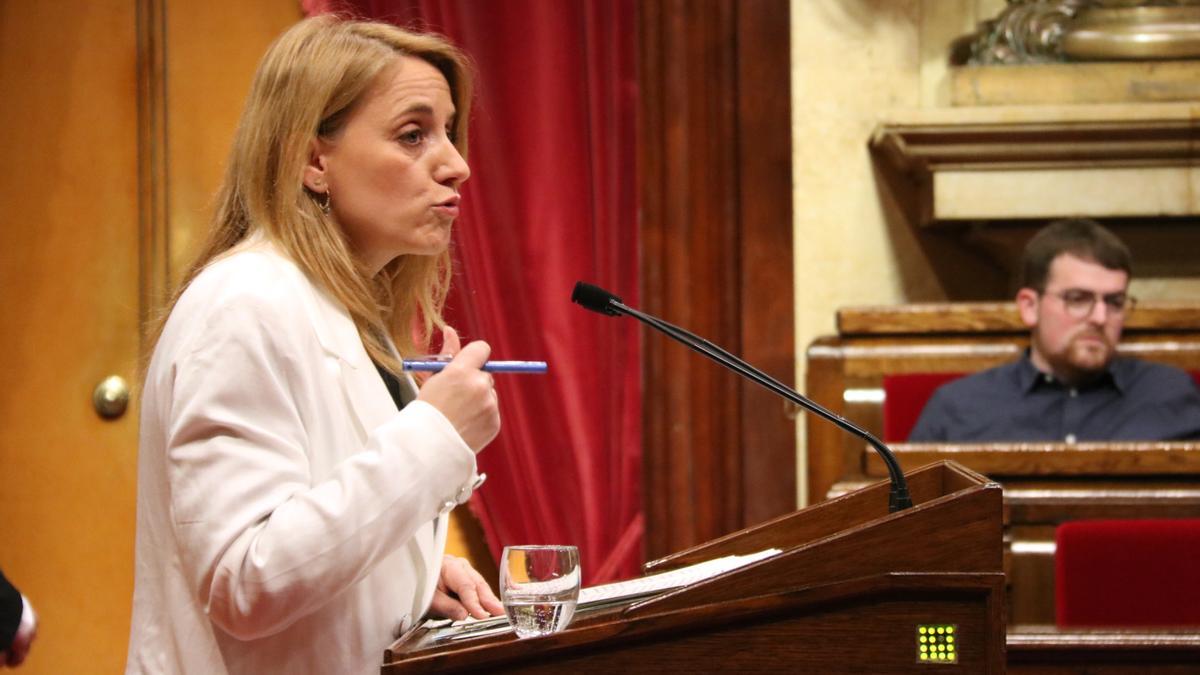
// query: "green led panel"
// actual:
[[937, 643]]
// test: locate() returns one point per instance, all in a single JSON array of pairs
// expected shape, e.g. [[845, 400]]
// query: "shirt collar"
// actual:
[[1029, 377]]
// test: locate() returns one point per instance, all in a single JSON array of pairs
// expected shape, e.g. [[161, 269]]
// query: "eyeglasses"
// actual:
[[1080, 303]]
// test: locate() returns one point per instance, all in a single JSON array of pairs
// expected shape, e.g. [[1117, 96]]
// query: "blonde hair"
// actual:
[[306, 85]]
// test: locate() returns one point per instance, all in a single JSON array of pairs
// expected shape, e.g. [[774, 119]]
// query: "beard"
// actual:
[[1087, 354]]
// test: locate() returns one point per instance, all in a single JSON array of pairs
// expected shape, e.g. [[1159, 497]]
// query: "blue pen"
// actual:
[[436, 365]]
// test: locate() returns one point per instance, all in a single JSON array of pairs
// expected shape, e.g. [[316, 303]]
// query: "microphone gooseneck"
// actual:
[[599, 300]]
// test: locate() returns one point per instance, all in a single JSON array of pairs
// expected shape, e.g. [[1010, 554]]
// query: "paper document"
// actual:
[[663, 581], [618, 590]]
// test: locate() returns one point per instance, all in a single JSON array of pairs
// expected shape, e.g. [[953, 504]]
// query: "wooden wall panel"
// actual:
[[717, 260]]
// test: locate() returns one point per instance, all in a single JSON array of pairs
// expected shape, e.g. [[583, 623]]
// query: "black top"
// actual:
[[1132, 401], [393, 385]]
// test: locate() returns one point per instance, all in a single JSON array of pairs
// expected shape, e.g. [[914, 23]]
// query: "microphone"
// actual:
[[599, 300]]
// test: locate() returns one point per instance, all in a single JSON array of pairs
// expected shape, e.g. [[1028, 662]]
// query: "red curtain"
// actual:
[[552, 200]]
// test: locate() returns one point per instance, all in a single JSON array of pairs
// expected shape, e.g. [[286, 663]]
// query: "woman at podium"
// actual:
[[293, 481]]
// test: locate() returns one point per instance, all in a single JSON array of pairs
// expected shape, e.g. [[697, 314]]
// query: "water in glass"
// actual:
[[539, 586]]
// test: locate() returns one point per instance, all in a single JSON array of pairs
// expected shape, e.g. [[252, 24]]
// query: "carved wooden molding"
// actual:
[[993, 317], [1049, 459], [928, 148], [1031, 641], [944, 170], [154, 244]]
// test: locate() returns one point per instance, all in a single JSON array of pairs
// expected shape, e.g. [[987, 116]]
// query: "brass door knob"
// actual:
[[111, 397]]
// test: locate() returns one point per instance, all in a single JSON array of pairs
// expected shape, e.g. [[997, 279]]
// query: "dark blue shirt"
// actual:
[[1133, 400]]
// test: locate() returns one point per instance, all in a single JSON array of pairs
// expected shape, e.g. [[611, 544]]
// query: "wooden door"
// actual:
[[69, 289], [95, 211]]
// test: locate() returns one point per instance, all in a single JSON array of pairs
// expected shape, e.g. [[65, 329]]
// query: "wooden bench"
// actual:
[[846, 372], [1044, 483]]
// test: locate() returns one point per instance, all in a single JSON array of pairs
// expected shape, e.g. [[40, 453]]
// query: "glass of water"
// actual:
[[539, 586]]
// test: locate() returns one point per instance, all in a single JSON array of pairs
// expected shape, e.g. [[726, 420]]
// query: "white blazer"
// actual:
[[289, 518]]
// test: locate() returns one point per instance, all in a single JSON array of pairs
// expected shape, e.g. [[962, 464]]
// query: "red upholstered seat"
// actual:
[[1128, 573], [904, 397]]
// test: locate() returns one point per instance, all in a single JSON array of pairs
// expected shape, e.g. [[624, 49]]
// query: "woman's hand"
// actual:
[[465, 394], [462, 591]]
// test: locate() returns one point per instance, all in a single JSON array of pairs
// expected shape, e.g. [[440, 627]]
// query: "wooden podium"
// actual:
[[851, 592], [1047, 484]]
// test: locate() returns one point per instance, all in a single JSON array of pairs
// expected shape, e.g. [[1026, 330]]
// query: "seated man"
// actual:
[[1070, 385]]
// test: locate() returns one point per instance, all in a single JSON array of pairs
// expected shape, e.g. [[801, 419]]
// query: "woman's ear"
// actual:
[[315, 178], [1027, 306]]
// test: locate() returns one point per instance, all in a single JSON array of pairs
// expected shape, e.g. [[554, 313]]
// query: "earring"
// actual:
[[323, 204]]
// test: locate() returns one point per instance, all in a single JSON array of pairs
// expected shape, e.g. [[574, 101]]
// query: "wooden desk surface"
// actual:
[[1047, 650], [994, 317]]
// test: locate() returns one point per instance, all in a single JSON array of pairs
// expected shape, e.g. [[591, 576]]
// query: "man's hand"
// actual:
[[462, 591]]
